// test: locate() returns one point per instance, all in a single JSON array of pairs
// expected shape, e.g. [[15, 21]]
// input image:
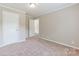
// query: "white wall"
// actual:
[[61, 26], [23, 26], [0, 26]]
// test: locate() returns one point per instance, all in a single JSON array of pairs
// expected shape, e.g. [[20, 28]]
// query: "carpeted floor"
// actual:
[[37, 47]]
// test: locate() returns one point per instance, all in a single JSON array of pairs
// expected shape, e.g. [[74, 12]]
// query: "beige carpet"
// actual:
[[37, 47]]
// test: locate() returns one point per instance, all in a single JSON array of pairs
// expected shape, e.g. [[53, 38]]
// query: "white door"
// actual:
[[36, 24], [10, 27]]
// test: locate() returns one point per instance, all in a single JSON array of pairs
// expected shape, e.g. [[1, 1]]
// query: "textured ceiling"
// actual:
[[40, 9]]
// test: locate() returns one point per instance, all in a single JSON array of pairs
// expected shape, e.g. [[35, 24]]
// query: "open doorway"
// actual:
[[33, 27]]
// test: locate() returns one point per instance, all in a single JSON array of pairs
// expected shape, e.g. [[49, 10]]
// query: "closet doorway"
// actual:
[[10, 27]]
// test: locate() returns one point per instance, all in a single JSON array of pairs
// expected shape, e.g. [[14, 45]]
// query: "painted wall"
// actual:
[[23, 26], [61, 26], [0, 26]]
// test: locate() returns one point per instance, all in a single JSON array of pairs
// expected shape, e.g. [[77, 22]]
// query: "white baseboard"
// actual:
[[2, 45], [59, 43]]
